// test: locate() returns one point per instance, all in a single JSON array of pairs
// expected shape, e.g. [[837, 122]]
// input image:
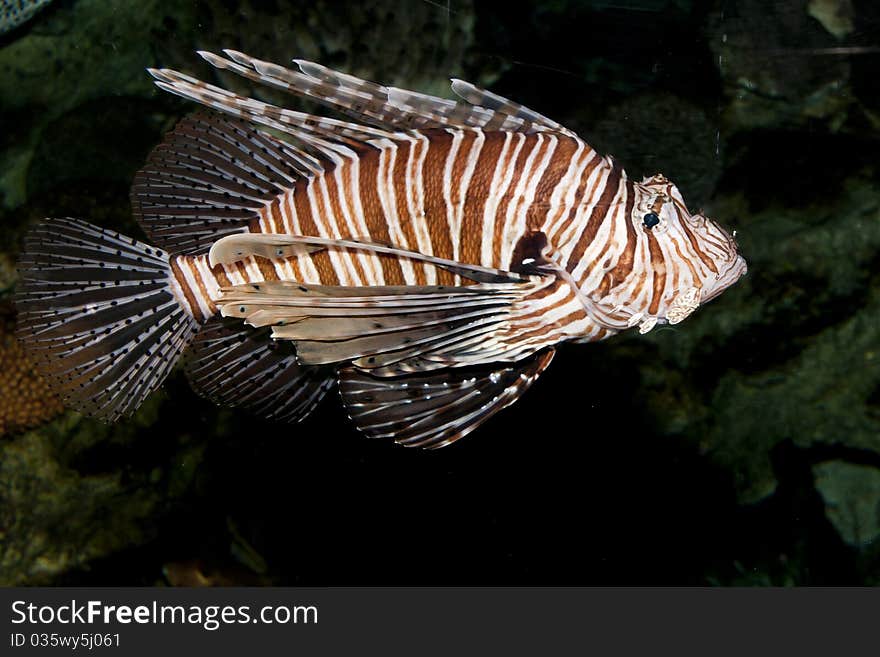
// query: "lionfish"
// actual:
[[425, 257]]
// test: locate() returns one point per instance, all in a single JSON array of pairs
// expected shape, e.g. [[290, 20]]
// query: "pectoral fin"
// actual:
[[235, 248], [374, 326]]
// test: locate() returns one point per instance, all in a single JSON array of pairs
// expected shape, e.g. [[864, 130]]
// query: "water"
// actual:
[[740, 447]]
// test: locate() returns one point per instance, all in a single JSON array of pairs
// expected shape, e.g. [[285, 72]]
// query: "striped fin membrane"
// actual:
[[97, 313], [437, 409]]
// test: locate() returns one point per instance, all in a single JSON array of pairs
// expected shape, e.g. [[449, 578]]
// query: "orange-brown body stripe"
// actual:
[[581, 193], [597, 216], [293, 262], [187, 291], [267, 269], [219, 274], [242, 270], [537, 153], [368, 173], [556, 169], [325, 265], [435, 205], [519, 164], [659, 268], [273, 213], [541, 331], [303, 209], [476, 198], [537, 296], [342, 226], [397, 178], [694, 275], [459, 165], [626, 261], [203, 290], [706, 259]]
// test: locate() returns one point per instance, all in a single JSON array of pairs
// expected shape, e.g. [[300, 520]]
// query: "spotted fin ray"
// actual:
[[98, 313], [387, 108], [435, 410], [315, 134], [504, 107]]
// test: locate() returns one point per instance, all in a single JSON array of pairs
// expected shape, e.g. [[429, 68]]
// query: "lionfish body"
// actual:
[[425, 258]]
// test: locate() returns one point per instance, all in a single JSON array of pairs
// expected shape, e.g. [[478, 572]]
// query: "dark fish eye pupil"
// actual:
[[651, 219]]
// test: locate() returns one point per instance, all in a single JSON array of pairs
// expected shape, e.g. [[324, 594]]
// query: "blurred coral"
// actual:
[[25, 398]]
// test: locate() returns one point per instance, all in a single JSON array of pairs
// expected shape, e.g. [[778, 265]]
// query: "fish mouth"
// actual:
[[736, 268]]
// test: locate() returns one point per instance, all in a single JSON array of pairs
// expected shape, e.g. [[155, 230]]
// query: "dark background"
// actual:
[[742, 447]]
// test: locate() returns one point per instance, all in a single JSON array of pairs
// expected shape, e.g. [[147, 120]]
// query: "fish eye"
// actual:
[[651, 219]]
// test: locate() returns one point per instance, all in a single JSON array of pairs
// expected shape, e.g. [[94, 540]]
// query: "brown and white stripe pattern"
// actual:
[[460, 189]]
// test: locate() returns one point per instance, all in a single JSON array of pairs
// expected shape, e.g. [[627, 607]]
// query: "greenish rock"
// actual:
[[366, 43], [15, 160], [85, 50], [81, 52], [852, 500], [836, 16], [59, 511], [88, 57], [774, 78], [663, 133]]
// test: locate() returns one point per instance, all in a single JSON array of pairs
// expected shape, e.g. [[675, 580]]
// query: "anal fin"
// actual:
[[436, 409], [240, 366]]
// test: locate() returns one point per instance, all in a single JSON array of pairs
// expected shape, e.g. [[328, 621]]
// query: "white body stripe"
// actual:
[[327, 227], [500, 182], [388, 198], [515, 220], [415, 199]]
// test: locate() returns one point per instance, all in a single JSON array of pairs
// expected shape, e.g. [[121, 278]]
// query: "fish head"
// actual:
[[697, 257]]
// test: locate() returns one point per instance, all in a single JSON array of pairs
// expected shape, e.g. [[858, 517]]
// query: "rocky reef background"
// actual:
[[741, 447]]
